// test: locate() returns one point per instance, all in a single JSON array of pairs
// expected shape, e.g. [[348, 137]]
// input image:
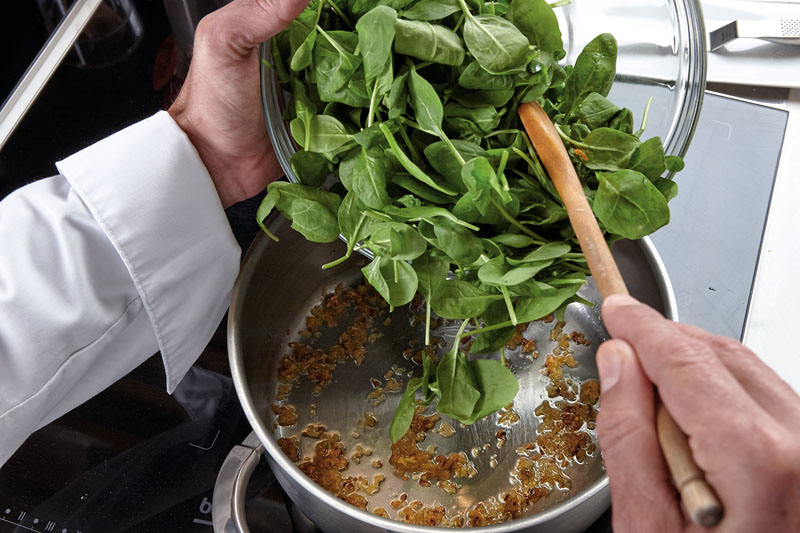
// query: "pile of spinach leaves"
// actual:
[[412, 105]]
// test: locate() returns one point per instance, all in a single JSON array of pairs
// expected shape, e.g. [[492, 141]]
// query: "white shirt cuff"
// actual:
[[150, 192]]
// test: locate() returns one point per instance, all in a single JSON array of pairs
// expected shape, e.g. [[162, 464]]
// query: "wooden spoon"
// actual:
[[697, 495]]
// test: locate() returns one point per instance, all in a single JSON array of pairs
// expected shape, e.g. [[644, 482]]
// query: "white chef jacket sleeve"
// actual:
[[127, 252]]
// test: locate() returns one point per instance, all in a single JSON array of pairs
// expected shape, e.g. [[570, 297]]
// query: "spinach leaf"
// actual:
[[302, 56], [431, 273], [497, 386], [498, 272], [476, 77], [537, 21], [593, 72], [419, 189], [608, 149], [404, 414], [458, 392], [546, 300], [513, 240], [325, 134], [427, 212], [354, 224], [445, 162], [595, 110], [667, 187], [359, 7], [394, 240], [454, 240], [629, 205], [312, 212], [648, 158], [493, 340], [460, 299], [483, 120], [674, 163], [431, 10], [396, 281], [549, 251], [497, 45], [333, 61], [363, 172], [475, 98], [425, 102], [622, 121], [409, 165], [310, 168], [375, 35], [428, 42]]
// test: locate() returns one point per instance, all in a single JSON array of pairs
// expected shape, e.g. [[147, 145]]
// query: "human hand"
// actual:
[[741, 419], [219, 106]]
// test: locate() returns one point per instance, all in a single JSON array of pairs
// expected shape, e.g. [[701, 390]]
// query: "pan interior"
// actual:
[[280, 284]]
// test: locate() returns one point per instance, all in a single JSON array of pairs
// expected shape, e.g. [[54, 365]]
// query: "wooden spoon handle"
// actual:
[[551, 151], [698, 497]]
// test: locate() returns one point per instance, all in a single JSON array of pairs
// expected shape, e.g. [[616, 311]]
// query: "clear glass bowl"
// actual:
[[662, 54]]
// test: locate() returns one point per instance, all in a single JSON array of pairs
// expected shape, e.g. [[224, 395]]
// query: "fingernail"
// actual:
[[609, 365], [619, 300]]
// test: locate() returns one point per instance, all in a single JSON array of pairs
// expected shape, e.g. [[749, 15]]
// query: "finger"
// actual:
[[697, 389], [642, 495], [244, 24], [772, 393]]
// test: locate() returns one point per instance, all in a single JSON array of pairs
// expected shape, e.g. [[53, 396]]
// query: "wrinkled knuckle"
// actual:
[[729, 347], [689, 358], [208, 32], [272, 9], [778, 455]]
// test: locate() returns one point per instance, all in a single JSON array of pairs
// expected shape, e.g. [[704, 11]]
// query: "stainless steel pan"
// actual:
[[278, 285]]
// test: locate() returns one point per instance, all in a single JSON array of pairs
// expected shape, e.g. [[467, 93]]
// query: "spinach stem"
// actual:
[[485, 329], [509, 304], [340, 13], [319, 11], [333, 42], [350, 245], [428, 321], [465, 10], [460, 334], [452, 148], [500, 132], [378, 215], [372, 103], [459, 23], [269, 233], [500, 175], [339, 261], [644, 117], [396, 275], [415, 157], [537, 239], [578, 268], [569, 139]]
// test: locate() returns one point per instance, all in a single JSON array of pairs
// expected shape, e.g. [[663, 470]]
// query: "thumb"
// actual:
[[244, 24], [642, 495]]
